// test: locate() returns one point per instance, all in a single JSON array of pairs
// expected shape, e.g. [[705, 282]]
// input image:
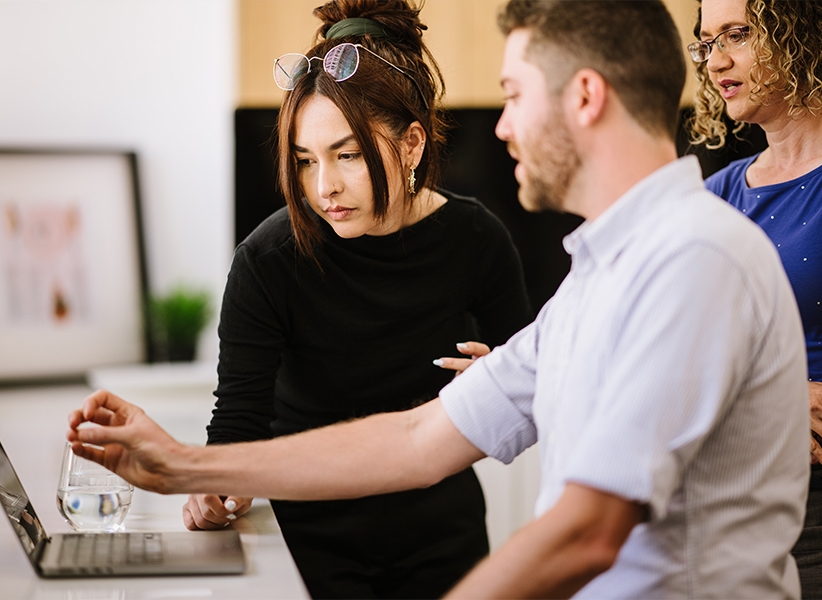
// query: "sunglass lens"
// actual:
[[288, 69], [341, 62]]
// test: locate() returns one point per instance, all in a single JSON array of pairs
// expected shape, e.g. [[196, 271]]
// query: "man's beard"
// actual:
[[556, 162]]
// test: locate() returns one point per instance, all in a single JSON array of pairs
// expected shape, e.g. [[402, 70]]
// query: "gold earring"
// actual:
[[412, 179]]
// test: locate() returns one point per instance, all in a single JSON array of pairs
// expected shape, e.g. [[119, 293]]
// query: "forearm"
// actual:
[[378, 454], [557, 554]]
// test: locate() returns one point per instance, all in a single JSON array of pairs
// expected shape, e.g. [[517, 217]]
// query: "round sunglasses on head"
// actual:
[[340, 63]]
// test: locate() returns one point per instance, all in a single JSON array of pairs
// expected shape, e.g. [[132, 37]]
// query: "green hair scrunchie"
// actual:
[[357, 26]]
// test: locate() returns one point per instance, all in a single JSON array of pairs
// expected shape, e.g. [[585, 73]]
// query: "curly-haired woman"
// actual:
[[761, 61]]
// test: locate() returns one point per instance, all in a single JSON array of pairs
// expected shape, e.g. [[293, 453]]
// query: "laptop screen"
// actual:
[[18, 508]]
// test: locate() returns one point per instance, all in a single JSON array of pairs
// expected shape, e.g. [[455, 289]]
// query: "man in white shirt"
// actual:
[[664, 381]]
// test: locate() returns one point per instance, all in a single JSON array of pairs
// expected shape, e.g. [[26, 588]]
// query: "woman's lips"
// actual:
[[728, 88], [338, 213]]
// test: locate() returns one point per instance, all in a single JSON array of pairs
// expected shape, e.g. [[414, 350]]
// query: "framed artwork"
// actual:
[[72, 265]]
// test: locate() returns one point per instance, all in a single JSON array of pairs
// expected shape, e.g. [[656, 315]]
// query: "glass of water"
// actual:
[[90, 497]]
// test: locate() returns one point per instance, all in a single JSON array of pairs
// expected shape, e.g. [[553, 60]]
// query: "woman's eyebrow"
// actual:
[[335, 146], [723, 27], [340, 143]]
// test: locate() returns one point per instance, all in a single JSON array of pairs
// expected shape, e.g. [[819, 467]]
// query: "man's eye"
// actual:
[[350, 155]]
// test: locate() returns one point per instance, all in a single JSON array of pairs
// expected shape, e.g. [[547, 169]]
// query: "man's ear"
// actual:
[[413, 144], [586, 96]]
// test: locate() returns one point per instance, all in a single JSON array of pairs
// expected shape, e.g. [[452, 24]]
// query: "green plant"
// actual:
[[176, 321]]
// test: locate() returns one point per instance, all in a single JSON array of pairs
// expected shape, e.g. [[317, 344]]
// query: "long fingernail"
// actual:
[[439, 362], [231, 505]]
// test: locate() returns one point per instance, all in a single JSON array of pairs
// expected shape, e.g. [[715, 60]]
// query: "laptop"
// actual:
[[115, 554]]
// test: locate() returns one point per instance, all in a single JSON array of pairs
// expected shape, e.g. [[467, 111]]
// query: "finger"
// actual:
[[230, 505], [103, 399], [454, 364], [475, 349], [96, 435], [75, 418], [101, 416], [188, 517], [88, 452], [214, 512], [194, 517], [240, 505]]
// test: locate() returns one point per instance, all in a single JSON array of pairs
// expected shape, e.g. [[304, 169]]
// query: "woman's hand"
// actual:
[[815, 397], [206, 511], [474, 349]]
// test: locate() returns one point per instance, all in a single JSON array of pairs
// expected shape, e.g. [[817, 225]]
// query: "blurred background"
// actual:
[[165, 79]]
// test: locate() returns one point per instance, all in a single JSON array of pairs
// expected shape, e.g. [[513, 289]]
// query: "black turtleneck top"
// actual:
[[303, 346]]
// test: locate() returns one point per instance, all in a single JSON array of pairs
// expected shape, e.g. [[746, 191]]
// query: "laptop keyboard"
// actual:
[[108, 549]]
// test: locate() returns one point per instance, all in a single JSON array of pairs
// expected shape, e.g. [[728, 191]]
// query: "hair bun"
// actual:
[[400, 18]]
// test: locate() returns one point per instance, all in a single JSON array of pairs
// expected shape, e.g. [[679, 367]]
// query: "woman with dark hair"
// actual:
[[761, 62], [336, 305]]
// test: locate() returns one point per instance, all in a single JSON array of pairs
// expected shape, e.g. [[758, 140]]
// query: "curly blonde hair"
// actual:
[[786, 42]]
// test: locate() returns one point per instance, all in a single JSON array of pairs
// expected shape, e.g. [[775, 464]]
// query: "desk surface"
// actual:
[[32, 430]]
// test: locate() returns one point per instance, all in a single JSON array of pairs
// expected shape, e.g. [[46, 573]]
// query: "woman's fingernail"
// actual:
[[462, 346], [231, 505], [439, 362], [231, 517], [227, 523]]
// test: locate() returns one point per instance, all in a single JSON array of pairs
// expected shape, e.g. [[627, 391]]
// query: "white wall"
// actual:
[[154, 76]]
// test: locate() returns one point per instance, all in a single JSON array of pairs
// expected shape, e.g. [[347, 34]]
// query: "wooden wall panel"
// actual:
[[462, 35]]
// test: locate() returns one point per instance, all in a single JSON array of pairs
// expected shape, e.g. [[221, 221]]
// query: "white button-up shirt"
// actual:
[[669, 369]]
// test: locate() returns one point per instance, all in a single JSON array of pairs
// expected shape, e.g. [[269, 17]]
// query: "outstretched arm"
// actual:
[[378, 454], [558, 553]]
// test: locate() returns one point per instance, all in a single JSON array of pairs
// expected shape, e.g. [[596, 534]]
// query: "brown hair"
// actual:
[[786, 43], [634, 45], [378, 103]]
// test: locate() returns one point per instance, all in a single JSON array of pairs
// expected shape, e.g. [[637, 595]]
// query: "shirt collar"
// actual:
[[605, 236]]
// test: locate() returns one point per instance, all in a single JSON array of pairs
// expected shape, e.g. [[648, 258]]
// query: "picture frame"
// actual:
[[73, 278]]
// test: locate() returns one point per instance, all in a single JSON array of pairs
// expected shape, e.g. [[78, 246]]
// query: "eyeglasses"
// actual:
[[340, 62], [728, 40]]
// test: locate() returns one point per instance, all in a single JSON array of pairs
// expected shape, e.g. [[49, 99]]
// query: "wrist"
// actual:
[[178, 474]]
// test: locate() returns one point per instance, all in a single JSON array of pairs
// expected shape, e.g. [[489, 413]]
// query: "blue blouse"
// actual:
[[791, 214]]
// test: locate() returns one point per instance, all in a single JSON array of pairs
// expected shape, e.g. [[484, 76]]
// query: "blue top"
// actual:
[[791, 214]]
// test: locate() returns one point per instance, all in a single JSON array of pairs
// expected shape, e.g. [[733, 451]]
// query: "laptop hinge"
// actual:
[[39, 550]]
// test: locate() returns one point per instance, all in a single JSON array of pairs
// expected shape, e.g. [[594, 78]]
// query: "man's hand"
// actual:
[[815, 397], [474, 349], [127, 441], [206, 511]]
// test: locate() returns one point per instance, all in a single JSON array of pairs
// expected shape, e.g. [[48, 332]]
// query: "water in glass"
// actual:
[[90, 497]]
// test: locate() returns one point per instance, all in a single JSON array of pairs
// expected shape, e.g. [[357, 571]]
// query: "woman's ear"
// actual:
[[413, 144]]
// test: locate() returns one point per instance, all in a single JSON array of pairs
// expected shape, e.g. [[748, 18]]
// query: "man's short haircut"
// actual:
[[633, 44]]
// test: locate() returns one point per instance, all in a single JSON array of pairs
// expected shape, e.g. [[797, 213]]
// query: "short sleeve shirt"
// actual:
[[668, 369]]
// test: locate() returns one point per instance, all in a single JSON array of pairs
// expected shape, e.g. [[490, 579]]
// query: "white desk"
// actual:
[[32, 430]]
